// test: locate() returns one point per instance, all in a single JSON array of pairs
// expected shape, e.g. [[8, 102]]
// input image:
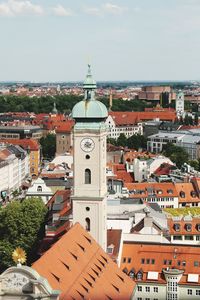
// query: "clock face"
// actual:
[[87, 144]]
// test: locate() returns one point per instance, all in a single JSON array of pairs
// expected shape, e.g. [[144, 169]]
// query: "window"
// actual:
[[196, 263], [189, 291], [142, 261], [139, 288], [124, 259], [125, 270], [198, 227], [197, 292], [139, 275], [182, 194], [147, 289], [189, 237], [177, 237], [177, 227], [153, 261], [87, 224], [148, 261], [87, 208], [39, 188], [139, 298], [184, 263], [87, 176], [129, 260], [155, 289], [188, 227], [132, 274], [110, 250]]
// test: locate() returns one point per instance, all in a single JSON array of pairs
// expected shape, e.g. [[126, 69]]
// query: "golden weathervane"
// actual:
[[19, 256]]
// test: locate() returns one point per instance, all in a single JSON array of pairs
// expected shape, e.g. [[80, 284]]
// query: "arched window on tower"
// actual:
[[87, 176], [87, 224]]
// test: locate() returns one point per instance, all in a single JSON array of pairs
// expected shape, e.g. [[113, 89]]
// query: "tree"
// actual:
[[136, 142], [22, 225], [177, 154], [111, 141], [122, 140], [48, 144], [194, 164]]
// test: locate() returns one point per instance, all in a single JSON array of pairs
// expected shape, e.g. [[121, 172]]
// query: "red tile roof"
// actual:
[[194, 222], [120, 171], [27, 144], [129, 118], [166, 189], [78, 267], [65, 127], [158, 257]]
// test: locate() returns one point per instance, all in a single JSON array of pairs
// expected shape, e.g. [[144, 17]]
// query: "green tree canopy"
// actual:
[[22, 225], [122, 140], [136, 142], [48, 144], [177, 154]]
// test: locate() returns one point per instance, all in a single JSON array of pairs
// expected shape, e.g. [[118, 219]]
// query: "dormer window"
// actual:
[[139, 275], [39, 188], [198, 227], [110, 249], [182, 194], [177, 227], [193, 194], [188, 227], [132, 273], [125, 270], [159, 192], [169, 191]]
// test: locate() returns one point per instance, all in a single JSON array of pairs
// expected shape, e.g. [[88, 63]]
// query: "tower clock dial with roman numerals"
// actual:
[[87, 145]]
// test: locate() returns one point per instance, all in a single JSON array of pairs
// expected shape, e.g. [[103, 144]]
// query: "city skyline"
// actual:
[[123, 40]]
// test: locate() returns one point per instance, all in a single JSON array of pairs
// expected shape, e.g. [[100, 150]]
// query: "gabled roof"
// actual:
[[78, 267], [27, 144], [130, 118]]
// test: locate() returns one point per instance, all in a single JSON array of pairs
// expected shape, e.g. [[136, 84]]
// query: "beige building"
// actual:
[[64, 137]]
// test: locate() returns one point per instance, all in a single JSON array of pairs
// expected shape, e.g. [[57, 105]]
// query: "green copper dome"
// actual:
[[89, 108]]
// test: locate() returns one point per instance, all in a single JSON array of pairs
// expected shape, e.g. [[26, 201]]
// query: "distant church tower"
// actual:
[[180, 104], [90, 187]]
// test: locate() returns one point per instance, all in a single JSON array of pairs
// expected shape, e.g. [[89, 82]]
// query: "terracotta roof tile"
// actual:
[[78, 267], [160, 257]]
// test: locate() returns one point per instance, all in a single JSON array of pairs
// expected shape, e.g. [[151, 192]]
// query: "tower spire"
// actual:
[[89, 85]]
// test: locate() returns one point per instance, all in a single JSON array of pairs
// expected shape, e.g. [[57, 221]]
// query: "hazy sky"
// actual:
[[52, 40]]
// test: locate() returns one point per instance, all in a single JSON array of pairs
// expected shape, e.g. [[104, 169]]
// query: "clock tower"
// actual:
[[89, 140]]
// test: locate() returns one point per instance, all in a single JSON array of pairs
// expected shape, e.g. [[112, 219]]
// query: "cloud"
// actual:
[[18, 7], [93, 11], [61, 11], [113, 8], [106, 8]]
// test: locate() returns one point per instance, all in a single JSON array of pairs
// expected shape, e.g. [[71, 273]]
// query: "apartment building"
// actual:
[[130, 123], [32, 147], [14, 168], [189, 140]]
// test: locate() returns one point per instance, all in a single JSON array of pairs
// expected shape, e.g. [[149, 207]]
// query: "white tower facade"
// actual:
[[180, 104], [90, 187]]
